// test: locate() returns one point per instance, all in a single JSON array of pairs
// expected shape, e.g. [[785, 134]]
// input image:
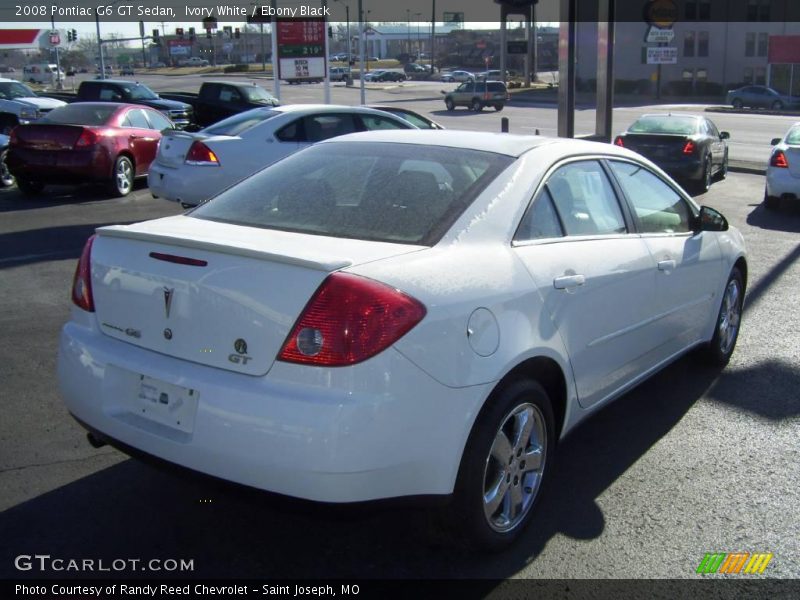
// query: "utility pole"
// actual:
[[59, 83]]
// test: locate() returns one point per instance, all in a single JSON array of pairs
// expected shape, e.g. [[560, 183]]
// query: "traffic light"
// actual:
[[156, 38], [236, 33], [191, 33], [228, 31], [69, 35], [179, 32], [74, 35], [330, 31], [208, 33]]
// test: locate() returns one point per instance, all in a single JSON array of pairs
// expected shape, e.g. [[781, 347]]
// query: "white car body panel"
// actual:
[[785, 181], [397, 423]]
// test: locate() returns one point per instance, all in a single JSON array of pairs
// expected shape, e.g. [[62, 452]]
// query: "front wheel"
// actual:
[[449, 104], [498, 107], [504, 465], [6, 178], [720, 348], [122, 181]]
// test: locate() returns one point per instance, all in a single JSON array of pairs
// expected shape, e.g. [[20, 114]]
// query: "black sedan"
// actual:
[[688, 147], [390, 76]]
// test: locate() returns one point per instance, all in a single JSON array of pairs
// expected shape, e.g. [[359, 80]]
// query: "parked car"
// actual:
[[44, 73], [338, 73], [399, 313], [6, 178], [458, 76], [783, 170], [192, 167], [760, 96], [72, 71], [126, 71], [218, 100], [371, 75], [130, 92], [477, 95], [387, 76], [688, 147], [417, 120], [86, 142], [414, 68], [194, 61], [19, 104]]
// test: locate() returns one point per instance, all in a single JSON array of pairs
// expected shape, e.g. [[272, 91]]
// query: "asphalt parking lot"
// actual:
[[692, 461]]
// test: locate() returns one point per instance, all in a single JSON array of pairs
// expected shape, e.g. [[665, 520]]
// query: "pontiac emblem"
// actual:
[[168, 299], [240, 346]]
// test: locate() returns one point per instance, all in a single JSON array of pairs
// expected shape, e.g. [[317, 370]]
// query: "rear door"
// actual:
[[142, 139], [596, 277]]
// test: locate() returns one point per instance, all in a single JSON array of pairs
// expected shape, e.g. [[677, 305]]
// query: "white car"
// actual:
[[458, 76], [399, 313], [192, 167], [783, 170]]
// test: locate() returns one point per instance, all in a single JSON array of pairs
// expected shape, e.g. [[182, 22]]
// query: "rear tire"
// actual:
[[704, 184], [504, 467], [6, 178], [449, 104], [771, 202], [719, 350], [498, 107], [29, 188], [122, 177], [477, 106], [723, 170], [737, 104]]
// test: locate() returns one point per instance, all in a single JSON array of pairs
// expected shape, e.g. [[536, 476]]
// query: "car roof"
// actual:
[[499, 143], [8, 80], [319, 108], [691, 116]]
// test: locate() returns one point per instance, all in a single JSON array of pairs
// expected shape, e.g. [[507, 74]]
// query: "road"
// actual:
[[750, 132], [692, 461]]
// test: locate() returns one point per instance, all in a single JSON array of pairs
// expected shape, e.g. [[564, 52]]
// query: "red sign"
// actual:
[[301, 32], [55, 39], [784, 49]]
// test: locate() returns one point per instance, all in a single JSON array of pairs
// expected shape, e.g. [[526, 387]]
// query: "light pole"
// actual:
[[408, 32], [419, 43], [361, 51], [349, 48]]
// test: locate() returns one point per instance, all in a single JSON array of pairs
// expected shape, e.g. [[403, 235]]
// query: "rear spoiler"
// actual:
[[122, 231]]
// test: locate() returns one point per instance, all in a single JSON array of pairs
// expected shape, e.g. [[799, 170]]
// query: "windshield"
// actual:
[[665, 124], [257, 94], [81, 114], [140, 92], [403, 193], [12, 89]]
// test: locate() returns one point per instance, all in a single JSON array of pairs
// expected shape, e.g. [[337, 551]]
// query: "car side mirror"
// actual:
[[775, 141], [724, 135], [710, 220]]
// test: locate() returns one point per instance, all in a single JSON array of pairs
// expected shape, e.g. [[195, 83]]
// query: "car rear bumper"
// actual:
[[379, 429], [61, 166], [782, 184], [177, 185], [682, 169]]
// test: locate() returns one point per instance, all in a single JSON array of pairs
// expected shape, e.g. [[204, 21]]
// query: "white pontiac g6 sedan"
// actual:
[[399, 313]]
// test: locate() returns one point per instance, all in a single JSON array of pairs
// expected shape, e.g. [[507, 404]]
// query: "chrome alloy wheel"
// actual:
[[514, 467], [124, 176], [730, 316]]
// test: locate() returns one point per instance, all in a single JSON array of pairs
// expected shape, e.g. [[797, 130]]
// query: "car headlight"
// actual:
[[29, 113]]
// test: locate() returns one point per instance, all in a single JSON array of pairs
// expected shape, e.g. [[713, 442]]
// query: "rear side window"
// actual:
[[584, 199], [158, 121], [135, 118], [326, 126], [239, 123], [497, 86], [540, 220], [404, 193], [375, 122]]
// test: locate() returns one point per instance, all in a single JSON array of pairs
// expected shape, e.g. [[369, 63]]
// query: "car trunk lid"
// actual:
[[656, 146], [47, 137], [793, 158], [217, 294], [175, 145]]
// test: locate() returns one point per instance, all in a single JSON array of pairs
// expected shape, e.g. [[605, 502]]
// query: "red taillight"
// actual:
[[618, 142], [348, 320], [87, 138], [689, 147], [779, 160], [200, 154], [82, 282]]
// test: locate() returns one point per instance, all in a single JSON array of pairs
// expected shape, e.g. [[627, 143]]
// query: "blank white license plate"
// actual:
[[168, 404]]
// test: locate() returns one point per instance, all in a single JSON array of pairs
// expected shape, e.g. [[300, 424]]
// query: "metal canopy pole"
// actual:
[[568, 10], [605, 70]]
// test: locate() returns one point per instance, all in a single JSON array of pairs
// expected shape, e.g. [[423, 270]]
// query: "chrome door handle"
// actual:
[[567, 282], [667, 265]]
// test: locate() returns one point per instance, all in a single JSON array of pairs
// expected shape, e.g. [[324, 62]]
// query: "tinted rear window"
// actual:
[[496, 86], [241, 122], [404, 193], [665, 124], [81, 114]]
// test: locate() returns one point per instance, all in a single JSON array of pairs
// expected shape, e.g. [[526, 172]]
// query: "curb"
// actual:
[[733, 168]]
